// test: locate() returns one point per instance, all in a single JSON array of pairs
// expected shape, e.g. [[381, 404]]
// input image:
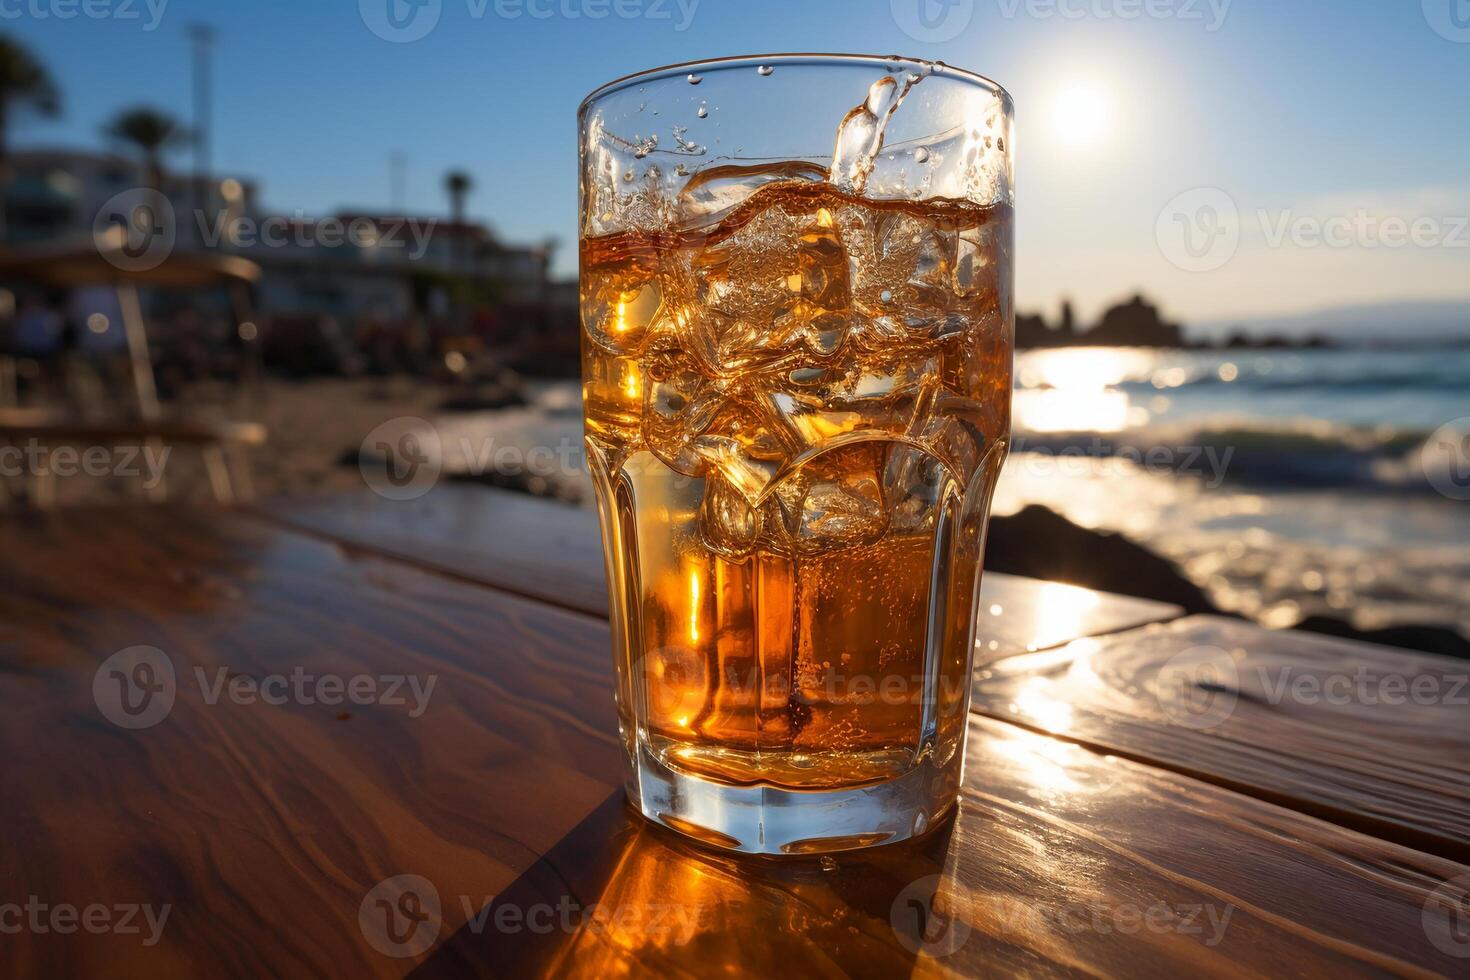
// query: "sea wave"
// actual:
[[1299, 454]]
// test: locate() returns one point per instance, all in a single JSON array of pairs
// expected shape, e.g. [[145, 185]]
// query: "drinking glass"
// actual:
[[797, 333]]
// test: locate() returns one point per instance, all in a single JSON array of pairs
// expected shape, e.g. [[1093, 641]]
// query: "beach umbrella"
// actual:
[[105, 259]]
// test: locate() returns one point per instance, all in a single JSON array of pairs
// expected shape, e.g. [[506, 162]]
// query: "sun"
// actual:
[[1080, 113]]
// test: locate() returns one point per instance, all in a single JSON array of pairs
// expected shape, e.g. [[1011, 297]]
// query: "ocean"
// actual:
[[1285, 483]]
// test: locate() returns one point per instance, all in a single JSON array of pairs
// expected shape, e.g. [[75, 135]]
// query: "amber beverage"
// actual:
[[797, 375]]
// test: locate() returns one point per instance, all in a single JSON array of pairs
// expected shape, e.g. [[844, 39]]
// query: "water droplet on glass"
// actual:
[[765, 69], [886, 296], [921, 155], [828, 863], [695, 79], [628, 176], [703, 111]]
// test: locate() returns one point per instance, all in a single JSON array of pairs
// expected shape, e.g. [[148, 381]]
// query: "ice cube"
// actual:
[[751, 292], [822, 265], [713, 193], [618, 313], [833, 500], [913, 485], [959, 431], [748, 473], [728, 523], [825, 333], [678, 407]]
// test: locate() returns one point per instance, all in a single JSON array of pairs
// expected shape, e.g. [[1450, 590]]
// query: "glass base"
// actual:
[[773, 820]]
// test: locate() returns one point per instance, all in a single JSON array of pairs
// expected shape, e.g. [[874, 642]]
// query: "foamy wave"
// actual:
[[1299, 454]]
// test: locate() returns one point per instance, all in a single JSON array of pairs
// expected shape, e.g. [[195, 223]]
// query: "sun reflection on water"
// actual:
[[1076, 389]]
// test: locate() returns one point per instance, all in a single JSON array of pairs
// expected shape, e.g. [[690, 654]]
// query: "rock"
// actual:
[[1044, 545], [1443, 640]]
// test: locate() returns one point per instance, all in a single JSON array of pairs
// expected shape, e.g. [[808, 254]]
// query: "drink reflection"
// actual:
[[620, 896]]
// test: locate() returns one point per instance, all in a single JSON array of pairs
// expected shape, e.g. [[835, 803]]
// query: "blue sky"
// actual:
[[1299, 110]]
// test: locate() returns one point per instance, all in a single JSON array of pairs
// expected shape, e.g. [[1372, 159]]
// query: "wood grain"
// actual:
[[264, 826], [1369, 737], [553, 552], [1060, 862]]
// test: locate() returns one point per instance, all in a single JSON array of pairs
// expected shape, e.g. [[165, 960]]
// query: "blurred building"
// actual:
[[349, 265]]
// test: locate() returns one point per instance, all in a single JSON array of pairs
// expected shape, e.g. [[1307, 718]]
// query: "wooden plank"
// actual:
[[553, 552], [263, 826], [268, 829], [1061, 862], [1369, 737]]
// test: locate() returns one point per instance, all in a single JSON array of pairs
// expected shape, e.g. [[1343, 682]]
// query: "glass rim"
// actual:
[[813, 58]]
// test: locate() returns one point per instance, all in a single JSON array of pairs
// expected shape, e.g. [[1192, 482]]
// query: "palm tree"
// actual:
[[150, 131], [457, 184], [24, 83]]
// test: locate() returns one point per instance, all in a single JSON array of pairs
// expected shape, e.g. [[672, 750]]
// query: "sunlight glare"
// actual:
[[1079, 113]]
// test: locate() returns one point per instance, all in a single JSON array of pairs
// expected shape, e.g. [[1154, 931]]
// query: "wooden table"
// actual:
[[1145, 795]]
